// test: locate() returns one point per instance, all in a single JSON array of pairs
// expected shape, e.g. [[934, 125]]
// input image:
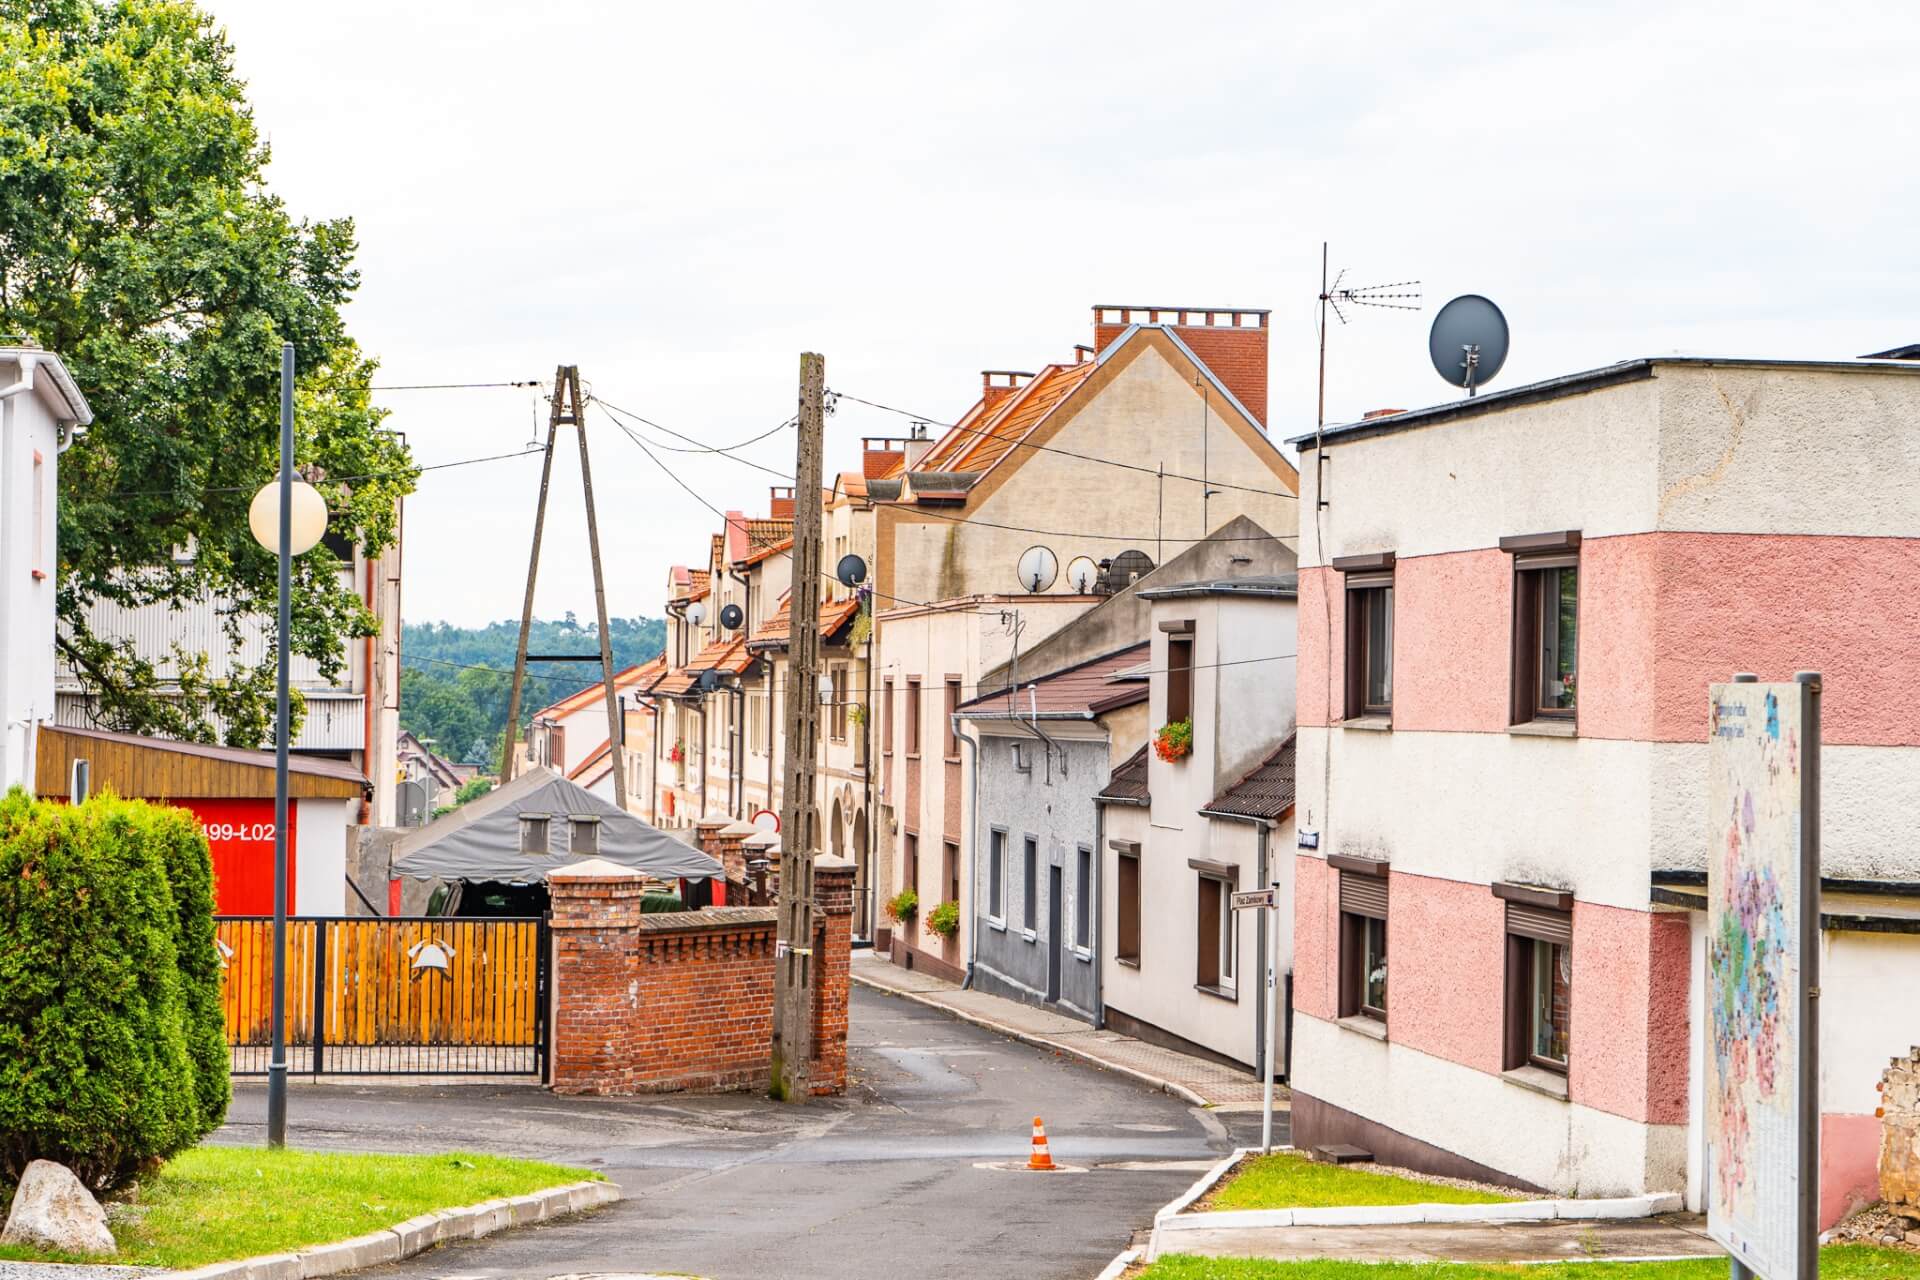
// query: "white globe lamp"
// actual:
[[309, 517]]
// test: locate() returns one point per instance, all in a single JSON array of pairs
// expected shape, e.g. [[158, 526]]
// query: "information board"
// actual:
[[1761, 1085]]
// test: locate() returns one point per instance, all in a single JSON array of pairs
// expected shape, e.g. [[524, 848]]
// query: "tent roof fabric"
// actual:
[[481, 839]]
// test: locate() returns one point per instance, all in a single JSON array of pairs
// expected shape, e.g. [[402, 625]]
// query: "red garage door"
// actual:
[[240, 835]]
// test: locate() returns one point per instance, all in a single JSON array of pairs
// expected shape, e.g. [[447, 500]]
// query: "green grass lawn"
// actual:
[[217, 1203], [1290, 1181], [1837, 1262]]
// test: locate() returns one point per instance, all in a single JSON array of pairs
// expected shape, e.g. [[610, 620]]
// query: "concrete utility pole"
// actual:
[[568, 409], [795, 970]]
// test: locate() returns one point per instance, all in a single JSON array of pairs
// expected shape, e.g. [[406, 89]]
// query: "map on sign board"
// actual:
[[1754, 897]]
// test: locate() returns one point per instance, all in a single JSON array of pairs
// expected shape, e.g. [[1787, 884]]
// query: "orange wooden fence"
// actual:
[[380, 984]]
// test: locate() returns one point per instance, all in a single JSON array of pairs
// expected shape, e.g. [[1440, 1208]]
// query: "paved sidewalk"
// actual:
[[1206, 1084], [1671, 1236]]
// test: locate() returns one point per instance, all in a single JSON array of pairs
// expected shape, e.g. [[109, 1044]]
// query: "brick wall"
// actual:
[[683, 1000], [1237, 354]]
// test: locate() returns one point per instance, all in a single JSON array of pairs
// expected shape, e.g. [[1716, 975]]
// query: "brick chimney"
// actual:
[[879, 454], [997, 384], [1232, 342], [780, 501]]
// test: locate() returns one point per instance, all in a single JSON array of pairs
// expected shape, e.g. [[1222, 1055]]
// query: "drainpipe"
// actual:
[[1098, 908], [28, 363], [973, 852], [1032, 726]]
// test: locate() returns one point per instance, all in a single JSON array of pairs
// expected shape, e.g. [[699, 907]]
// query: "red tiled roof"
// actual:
[[1127, 784], [833, 615], [728, 657], [638, 674], [772, 549], [878, 464], [749, 534], [976, 446], [1088, 688]]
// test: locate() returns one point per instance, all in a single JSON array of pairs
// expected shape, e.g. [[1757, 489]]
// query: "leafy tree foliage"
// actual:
[[138, 241], [455, 681], [112, 1049]]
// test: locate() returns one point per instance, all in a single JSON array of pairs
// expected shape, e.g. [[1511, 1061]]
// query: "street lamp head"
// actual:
[[309, 517]]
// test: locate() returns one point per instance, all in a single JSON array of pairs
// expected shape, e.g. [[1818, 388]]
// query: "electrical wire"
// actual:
[[1069, 453], [405, 661], [699, 446], [453, 386], [370, 475]]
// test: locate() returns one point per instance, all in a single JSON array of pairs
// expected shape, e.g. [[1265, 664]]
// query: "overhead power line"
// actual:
[[1069, 453], [369, 475], [453, 386]]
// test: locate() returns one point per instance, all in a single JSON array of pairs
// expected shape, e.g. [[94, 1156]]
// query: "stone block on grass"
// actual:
[[53, 1210]]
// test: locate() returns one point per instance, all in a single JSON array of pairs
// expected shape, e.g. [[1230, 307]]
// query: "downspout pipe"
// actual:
[[973, 851]]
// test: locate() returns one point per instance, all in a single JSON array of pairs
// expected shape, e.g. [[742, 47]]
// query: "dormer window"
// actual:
[[535, 830]]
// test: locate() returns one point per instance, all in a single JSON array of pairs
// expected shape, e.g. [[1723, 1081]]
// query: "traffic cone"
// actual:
[[1041, 1159]]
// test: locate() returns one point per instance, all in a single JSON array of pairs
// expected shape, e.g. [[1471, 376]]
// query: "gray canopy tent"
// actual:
[[537, 824]]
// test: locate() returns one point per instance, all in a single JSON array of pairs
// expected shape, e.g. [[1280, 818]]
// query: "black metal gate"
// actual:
[[390, 995]]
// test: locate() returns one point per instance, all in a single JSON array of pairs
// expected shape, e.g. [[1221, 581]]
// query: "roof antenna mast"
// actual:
[[1335, 295]]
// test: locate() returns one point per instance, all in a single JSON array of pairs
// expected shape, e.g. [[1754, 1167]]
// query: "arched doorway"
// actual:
[[836, 844]]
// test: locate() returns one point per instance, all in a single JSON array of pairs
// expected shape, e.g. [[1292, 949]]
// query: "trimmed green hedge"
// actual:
[[112, 1048]]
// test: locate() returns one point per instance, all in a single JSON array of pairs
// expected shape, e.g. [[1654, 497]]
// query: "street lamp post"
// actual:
[[287, 517]]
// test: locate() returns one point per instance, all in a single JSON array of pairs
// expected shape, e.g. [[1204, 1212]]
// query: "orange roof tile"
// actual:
[[878, 464], [1024, 410], [766, 552], [833, 615], [639, 673]]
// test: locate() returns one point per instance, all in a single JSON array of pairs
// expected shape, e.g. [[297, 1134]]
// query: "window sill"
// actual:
[[1128, 962], [1030, 935], [1219, 993], [998, 926], [1545, 729], [1538, 1080], [1083, 955], [1379, 724], [1359, 1024], [951, 759]]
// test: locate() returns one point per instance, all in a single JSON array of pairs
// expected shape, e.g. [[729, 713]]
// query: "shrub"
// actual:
[[944, 919], [109, 989], [903, 906]]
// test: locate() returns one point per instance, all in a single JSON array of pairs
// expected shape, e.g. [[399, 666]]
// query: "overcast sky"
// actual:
[[680, 198]]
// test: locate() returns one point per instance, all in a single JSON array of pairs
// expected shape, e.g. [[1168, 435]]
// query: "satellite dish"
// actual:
[[1038, 568], [709, 680], [1127, 568], [1082, 573], [696, 613], [852, 570], [1468, 342], [731, 616]]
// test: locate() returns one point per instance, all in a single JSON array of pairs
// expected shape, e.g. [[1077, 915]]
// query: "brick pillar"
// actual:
[[832, 957], [596, 940]]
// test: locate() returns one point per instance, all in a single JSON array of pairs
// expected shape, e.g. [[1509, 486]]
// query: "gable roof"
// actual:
[[832, 615], [1265, 792], [1128, 782], [481, 839], [639, 673], [988, 434], [1079, 692], [727, 656]]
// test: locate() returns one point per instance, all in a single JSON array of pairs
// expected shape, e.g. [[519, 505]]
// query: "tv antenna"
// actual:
[[1335, 295]]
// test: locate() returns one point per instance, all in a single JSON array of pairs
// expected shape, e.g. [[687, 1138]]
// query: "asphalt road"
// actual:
[[883, 1181]]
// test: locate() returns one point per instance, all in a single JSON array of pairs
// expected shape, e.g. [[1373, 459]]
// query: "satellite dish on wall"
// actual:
[[697, 613], [1468, 342], [1038, 568], [852, 570], [731, 616], [1082, 574], [1127, 568], [708, 680]]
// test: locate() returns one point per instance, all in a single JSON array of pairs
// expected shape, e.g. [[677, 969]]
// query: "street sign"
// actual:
[[1763, 952], [1253, 898]]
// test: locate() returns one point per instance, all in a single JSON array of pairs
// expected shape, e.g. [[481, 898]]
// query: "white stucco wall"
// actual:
[[27, 426], [1567, 1148]]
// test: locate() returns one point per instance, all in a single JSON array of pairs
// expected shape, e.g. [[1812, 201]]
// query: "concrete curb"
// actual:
[[1172, 1219], [1118, 1267], [415, 1235], [1169, 1087]]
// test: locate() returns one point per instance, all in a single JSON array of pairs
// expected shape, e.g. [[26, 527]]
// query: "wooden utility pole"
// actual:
[[795, 966], [568, 409]]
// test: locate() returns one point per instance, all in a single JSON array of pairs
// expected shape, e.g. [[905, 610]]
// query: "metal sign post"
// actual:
[[1763, 976], [1265, 900]]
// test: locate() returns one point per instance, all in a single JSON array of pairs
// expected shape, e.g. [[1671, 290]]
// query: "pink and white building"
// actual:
[[1510, 610]]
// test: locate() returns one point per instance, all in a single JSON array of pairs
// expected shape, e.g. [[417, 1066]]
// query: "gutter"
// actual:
[[973, 860]]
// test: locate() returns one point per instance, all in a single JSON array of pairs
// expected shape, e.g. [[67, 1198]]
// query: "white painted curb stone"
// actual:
[[415, 1235], [1118, 1267]]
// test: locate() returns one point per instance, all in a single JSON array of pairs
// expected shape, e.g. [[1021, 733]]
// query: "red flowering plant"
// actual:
[[1174, 740], [677, 753]]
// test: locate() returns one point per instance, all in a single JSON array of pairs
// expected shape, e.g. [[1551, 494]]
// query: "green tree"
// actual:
[[138, 240]]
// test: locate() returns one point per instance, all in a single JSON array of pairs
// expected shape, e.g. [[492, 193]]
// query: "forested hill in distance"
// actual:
[[455, 681]]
